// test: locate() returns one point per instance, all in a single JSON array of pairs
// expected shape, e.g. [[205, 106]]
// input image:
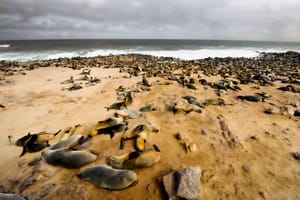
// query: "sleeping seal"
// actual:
[[136, 159], [68, 158], [104, 176], [72, 141], [6, 196]]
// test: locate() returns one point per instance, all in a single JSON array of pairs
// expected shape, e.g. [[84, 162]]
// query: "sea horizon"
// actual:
[[186, 49]]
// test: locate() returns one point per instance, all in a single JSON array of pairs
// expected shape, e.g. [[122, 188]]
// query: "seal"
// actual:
[[104, 176], [68, 143], [186, 108], [68, 158], [140, 134], [111, 130], [128, 114], [7, 196], [116, 106], [149, 107], [40, 137], [252, 98], [109, 122], [215, 102], [136, 159], [31, 145], [69, 131], [33, 142]]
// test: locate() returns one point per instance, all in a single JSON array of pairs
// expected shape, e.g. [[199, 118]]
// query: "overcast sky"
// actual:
[[165, 19]]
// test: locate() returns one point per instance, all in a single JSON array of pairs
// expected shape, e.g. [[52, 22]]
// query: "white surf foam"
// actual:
[[4, 45], [185, 54]]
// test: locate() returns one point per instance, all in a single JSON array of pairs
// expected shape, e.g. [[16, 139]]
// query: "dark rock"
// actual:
[[251, 98], [297, 113], [296, 155]]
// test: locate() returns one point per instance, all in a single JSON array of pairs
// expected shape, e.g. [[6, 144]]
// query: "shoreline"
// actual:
[[244, 148]]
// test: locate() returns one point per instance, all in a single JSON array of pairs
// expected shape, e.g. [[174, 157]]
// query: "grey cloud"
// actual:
[[189, 19]]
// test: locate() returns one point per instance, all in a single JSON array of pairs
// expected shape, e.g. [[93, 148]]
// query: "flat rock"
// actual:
[[184, 183]]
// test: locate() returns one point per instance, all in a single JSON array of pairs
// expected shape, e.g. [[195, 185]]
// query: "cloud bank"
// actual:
[[156, 19]]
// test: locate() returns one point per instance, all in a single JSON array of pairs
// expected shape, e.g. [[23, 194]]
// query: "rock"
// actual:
[[184, 183], [297, 113], [296, 155]]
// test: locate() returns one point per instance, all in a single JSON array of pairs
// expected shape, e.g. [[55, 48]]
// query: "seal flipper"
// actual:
[[57, 132], [122, 143], [156, 148], [23, 151], [112, 134], [134, 155]]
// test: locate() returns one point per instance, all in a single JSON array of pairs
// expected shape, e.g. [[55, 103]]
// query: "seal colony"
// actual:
[[156, 115]]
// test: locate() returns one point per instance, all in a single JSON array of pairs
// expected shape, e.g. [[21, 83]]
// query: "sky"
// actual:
[[270, 20]]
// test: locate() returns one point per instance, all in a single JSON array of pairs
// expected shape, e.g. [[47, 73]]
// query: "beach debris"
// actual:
[[104, 176], [184, 183], [2, 106], [136, 159], [186, 142]]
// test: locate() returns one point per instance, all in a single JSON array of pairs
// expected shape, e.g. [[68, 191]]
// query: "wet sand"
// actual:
[[243, 152]]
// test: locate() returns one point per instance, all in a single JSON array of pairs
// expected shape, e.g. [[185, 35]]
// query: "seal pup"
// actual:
[[136, 159], [104, 176], [8, 196], [140, 134], [68, 158]]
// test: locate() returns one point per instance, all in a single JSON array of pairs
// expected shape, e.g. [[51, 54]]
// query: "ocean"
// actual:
[[25, 50]]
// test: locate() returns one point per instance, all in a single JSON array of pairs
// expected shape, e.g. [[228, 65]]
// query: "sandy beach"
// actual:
[[245, 149]]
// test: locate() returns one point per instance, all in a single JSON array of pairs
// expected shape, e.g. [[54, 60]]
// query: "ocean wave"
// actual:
[[4, 45], [185, 54]]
